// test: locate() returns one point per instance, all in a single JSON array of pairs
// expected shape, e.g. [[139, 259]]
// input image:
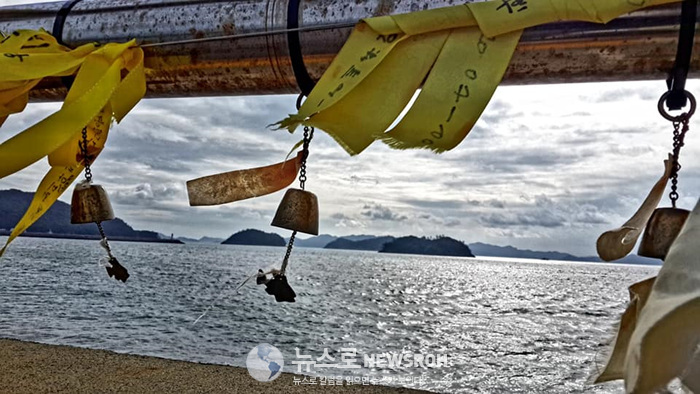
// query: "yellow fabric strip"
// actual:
[[59, 178], [445, 18], [366, 115], [348, 90], [14, 100], [469, 69], [110, 80], [500, 17], [366, 49], [18, 66], [93, 88], [46, 136], [133, 86]]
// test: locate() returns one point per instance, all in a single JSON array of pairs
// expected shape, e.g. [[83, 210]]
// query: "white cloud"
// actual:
[[548, 167]]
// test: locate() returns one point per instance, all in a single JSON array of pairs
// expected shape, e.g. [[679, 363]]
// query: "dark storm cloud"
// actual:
[[379, 212], [433, 204], [453, 204], [540, 219], [518, 159], [499, 110], [255, 113], [439, 221], [515, 160], [185, 156], [148, 192], [340, 216], [622, 94], [543, 211], [494, 203], [370, 180], [171, 139]]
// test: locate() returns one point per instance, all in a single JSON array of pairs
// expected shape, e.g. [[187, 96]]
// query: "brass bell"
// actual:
[[298, 211], [90, 204], [661, 230]]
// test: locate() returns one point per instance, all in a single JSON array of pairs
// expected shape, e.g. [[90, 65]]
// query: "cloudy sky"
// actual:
[[547, 167]]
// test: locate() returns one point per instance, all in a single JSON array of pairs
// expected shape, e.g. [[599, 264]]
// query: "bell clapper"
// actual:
[[665, 224], [90, 204]]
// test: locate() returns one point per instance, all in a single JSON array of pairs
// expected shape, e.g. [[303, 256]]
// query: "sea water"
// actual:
[[504, 326]]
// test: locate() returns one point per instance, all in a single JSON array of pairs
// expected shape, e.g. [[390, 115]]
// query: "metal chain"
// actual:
[[88, 176], [308, 136], [86, 158], [678, 135], [678, 142], [290, 245]]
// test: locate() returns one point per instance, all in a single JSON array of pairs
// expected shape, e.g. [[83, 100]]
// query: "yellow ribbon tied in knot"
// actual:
[[109, 81], [458, 53]]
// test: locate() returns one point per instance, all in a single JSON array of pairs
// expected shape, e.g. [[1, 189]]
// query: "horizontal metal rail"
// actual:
[[218, 48]]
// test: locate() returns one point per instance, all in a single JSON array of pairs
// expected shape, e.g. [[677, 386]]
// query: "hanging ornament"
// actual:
[[619, 242], [298, 212], [665, 223], [242, 184], [90, 204]]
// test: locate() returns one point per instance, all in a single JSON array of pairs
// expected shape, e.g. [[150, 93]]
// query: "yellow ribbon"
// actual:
[[460, 52], [99, 93]]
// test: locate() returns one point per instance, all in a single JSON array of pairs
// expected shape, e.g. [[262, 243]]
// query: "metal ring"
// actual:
[[680, 117]]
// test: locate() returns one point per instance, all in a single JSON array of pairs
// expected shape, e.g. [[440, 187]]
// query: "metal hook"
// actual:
[[299, 103]]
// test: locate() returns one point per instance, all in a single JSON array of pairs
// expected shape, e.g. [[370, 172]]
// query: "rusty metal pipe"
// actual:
[[634, 47]]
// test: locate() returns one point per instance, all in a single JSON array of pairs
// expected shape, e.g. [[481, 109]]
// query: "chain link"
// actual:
[[86, 158], [678, 142]]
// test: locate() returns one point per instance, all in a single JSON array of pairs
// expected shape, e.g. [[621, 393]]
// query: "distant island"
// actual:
[[438, 246], [255, 237], [202, 240], [482, 249], [375, 243], [55, 223], [479, 249]]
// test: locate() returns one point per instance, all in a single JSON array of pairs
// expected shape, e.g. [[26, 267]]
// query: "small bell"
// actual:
[[90, 204], [298, 211], [661, 230]]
